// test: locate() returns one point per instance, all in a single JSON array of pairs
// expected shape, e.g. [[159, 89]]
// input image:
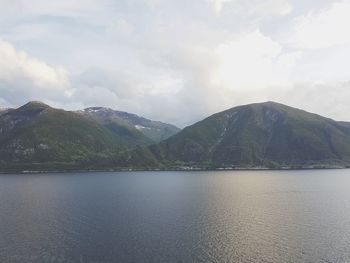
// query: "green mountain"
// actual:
[[36, 136], [130, 134], [147, 130], [264, 134]]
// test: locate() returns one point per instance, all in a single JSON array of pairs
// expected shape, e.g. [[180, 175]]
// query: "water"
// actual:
[[240, 216]]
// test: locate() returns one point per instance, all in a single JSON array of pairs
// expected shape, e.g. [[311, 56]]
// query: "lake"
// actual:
[[228, 216]]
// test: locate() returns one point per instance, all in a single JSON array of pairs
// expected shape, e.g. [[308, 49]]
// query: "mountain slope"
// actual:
[[147, 130], [4, 110], [108, 119], [344, 124], [38, 136], [264, 134]]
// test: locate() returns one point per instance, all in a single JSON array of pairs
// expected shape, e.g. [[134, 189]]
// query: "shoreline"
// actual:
[[180, 169]]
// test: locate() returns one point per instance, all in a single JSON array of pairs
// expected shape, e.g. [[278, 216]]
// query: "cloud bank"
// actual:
[[176, 61]]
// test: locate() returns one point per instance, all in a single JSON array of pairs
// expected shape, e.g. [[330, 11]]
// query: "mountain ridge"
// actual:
[[156, 131], [37, 136], [259, 135]]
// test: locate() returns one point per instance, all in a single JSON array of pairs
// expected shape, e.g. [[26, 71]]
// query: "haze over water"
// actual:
[[234, 216]]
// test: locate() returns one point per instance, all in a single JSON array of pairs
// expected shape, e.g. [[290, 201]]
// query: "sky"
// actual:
[[177, 61]]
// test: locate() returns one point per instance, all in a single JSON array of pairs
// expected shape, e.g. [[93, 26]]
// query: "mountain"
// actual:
[[263, 134], [4, 110], [152, 131], [345, 124], [39, 137], [36, 136], [106, 118]]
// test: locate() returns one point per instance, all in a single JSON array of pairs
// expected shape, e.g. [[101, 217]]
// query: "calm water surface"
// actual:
[[260, 216]]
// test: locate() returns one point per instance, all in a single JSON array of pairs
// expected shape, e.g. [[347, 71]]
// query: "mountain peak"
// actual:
[[276, 105], [31, 109], [273, 103], [267, 104], [35, 105]]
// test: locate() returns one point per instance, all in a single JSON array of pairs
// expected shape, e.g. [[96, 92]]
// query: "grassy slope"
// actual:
[[55, 138], [38, 137], [129, 133], [268, 134], [123, 122]]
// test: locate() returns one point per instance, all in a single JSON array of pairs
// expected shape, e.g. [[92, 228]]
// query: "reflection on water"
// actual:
[[240, 216]]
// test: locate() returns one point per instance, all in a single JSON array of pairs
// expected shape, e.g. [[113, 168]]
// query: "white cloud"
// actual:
[[254, 7], [70, 7], [120, 27], [176, 61], [274, 7], [254, 61], [218, 4], [330, 99], [24, 77], [322, 29]]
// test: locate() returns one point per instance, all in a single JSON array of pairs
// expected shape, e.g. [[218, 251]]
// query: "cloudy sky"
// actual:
[[176, 60]]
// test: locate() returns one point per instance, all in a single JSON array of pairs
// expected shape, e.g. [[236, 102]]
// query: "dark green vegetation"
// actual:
[[259, 135], [146, 130], [38, 137], [268, 135]]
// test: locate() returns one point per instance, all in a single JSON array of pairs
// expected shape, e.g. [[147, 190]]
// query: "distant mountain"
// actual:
[[4, 110], [36, 136], [155, 131], [345, 124], [264, 134], [106, 118]]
